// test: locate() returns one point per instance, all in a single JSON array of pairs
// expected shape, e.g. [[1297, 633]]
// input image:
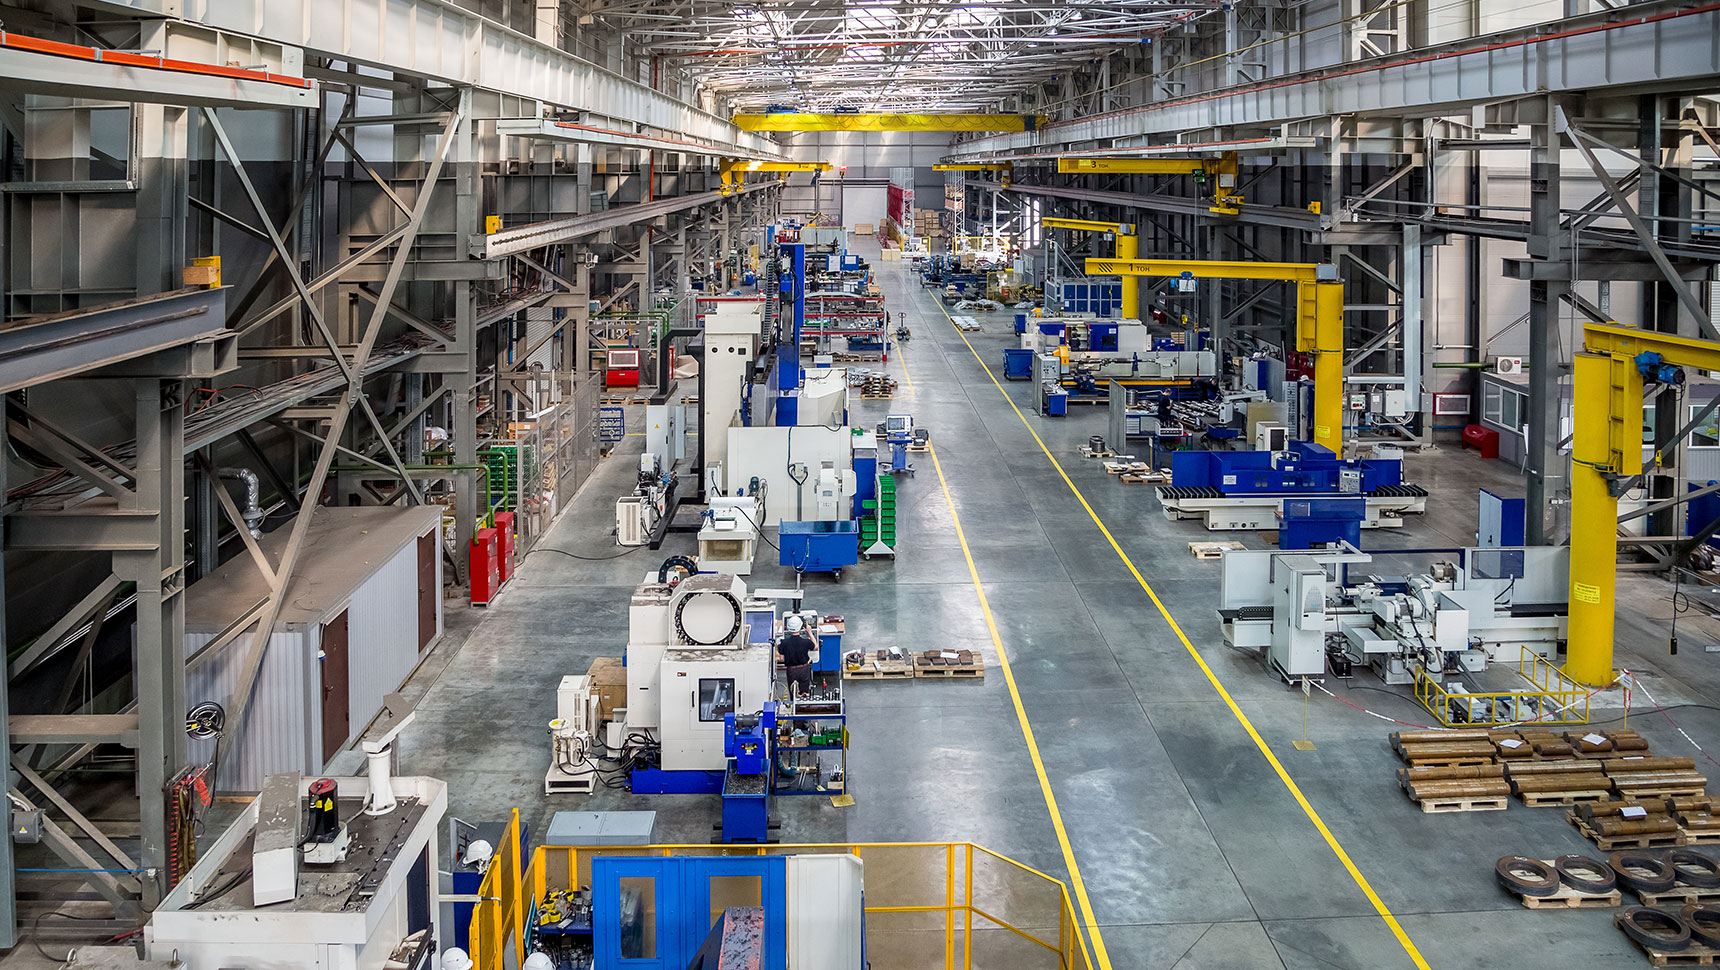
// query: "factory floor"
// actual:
[[1200, 835]]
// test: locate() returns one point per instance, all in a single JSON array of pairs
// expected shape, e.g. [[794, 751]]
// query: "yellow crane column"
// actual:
[[1607, 388]]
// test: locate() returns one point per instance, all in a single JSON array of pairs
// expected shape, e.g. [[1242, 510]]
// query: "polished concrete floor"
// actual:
[[1193, 850]]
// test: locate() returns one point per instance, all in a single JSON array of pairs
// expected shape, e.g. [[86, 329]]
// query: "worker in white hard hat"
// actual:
[[795, 648], [455, 958]]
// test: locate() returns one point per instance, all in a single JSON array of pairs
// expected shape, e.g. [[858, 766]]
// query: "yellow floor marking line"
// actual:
[[1103, 958], [1212, 678]]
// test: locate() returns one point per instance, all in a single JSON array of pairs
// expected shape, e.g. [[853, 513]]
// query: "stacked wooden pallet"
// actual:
[[1627, 824], [1464, 788], [949, 664], [1562, 782], [1449, 749], [877, 387]]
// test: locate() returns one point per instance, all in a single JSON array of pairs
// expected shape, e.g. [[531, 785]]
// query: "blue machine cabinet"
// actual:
[[819, 547], [653, 913], [1017, 364], [1310, 522]]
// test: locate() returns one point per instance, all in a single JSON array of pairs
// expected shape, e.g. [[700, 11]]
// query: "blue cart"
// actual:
[[819, 547]]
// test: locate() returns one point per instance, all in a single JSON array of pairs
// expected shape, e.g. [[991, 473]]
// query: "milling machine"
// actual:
[[1464, 611]]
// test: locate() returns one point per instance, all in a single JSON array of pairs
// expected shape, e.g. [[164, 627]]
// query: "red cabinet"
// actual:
[[485, 566], [505, 544]]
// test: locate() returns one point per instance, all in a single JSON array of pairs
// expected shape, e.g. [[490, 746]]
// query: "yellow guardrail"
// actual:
[[954, 905], [1552, 698], [499, 920]]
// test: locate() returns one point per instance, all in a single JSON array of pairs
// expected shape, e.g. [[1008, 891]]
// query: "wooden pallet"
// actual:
[[880, 670], [1127, 468], [1449, 762], [975, 670], [1695, 956], [1435, 806], [1700, 836], [1087, 452], [1678, 896], [1653, 840], [1568, 898], [1539, 799], [1213, 550], [919, 449], [1659, 791], [1129, 478], [876, 397]]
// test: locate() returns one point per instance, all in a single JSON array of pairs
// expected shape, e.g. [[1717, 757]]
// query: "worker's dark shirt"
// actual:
[[795, 650]]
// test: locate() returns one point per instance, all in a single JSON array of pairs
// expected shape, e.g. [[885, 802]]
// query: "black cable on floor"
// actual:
[[575, 555]]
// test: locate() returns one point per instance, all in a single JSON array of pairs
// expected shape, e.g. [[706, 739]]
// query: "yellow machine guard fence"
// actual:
[[929, 905], [1550, 698]]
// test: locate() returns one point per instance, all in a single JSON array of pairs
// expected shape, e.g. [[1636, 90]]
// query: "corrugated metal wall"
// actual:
[[279, 729], [283, 722], [382, 629]]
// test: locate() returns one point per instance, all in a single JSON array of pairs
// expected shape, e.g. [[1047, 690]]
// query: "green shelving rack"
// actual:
[[880, 522]]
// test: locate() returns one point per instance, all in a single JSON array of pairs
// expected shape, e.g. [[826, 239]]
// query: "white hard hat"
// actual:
[[794, 624], [478, 853], [455, 958], [539, 960]]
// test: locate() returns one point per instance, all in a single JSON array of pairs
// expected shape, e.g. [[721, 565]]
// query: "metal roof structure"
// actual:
[[890, 55]]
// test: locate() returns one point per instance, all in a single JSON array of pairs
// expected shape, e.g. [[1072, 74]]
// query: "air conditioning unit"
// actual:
[[1508, 365]]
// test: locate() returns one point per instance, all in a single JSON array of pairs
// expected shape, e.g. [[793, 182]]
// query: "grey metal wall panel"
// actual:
[[382, 625], [278, 732]]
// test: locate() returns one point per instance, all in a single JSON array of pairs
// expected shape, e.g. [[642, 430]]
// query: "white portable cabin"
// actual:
[[364, 604]]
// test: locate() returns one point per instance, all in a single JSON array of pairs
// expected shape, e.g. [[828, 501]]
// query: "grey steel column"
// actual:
[[1544, 467], [159, 575]]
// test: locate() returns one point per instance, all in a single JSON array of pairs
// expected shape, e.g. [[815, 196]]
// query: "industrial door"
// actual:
[[428, 589], [336, 701], [653, 913]]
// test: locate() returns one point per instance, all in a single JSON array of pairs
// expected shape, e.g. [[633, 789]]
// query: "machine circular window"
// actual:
[[708, 617]]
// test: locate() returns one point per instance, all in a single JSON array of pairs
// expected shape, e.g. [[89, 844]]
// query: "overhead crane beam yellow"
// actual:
[[1226, 201], [1319, 320], [1606, 450], [793, 121], [735, 171], [974, 167], [1088, 225]]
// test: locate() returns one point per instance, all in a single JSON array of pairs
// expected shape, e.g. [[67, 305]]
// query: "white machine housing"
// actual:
[[1490, 606], [361, 926], [732, 333], [728, 538], [768, 453], [695, 652]]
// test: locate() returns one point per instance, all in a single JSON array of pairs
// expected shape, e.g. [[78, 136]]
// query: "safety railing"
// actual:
[[928, 905], [499, 916], [1552, 698]]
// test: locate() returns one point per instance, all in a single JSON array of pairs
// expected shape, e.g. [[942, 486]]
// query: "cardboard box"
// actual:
[[609, 682], [863, 229]]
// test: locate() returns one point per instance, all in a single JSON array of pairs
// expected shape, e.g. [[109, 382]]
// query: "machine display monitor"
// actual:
[[716, 698], [896, 423]]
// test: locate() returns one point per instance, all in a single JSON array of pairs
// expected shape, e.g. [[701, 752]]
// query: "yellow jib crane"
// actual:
[[1225, 199], [1127, 243], [1607, 386], [735, 171], [1319, 320]]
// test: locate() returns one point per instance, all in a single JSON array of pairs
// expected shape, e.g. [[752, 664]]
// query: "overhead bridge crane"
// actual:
[[1319, 319], [855, 121]]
